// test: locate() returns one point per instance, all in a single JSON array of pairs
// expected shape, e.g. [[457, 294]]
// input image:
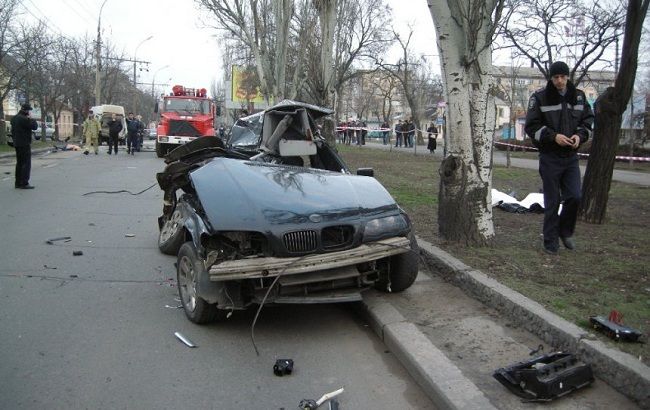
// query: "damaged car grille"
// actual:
[[337, 237], [301, 241], [331, 238]]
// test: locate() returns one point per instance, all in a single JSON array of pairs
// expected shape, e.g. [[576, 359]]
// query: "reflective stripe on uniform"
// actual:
[[547, 108], [538, 133]]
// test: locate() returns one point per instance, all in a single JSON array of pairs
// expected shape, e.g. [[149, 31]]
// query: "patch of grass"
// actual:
[[610, 269]]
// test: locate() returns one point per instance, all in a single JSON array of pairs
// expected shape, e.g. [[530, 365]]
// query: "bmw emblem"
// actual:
[[315, 218]]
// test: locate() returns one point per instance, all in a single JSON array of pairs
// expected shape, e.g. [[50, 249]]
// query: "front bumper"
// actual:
[[253, 268], [176, 140]]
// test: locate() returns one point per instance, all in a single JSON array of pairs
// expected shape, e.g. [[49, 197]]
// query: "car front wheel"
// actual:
[[171, 235], [189, 268], [403, 269]]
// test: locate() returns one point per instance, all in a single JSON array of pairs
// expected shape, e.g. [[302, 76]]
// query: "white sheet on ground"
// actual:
[[532, 198]]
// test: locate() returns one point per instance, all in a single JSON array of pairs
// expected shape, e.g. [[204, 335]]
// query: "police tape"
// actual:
[[380, 129], [618, 157]]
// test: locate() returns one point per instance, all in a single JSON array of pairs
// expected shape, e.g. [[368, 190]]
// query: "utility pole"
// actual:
[[98, 56]]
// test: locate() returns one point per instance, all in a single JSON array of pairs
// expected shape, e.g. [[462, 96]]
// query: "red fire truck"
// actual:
[[185, 114]]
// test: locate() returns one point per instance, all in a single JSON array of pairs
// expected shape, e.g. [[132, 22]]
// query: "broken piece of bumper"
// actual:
[[252, 268]]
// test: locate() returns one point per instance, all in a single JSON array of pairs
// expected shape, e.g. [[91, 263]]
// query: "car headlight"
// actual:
[[385, 226]]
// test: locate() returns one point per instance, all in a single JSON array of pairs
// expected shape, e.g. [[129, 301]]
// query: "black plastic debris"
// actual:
[[616, 331], [282, 367], [62, 238], [545, 377], [77, 253]]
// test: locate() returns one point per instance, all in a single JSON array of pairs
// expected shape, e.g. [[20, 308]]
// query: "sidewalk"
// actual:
[[455, 326], [630, 177]]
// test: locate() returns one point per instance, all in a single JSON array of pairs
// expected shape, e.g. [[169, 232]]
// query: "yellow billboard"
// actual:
[[245, 85]]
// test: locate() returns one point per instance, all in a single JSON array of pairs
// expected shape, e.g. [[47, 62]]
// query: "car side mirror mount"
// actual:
[[366, 172]]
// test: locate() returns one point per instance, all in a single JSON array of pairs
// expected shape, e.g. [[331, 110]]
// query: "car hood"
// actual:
[[254, 196]]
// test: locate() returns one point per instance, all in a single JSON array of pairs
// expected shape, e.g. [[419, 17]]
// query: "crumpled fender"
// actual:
[[212, 292]]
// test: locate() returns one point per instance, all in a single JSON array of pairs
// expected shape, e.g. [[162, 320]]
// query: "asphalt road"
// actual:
[[93, 331]]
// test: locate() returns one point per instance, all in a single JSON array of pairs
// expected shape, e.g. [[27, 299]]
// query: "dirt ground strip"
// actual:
[[610, 270]]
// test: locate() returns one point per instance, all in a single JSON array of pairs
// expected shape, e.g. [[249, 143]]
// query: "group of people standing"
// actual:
[[91, 128], [404, 133], [352, 131]]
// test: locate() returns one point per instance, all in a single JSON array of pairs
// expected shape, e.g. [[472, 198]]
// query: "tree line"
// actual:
[[58, 72]]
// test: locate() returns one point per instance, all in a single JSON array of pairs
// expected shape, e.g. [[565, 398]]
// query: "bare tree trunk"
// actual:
[[464, 210], [598, 176], [609, 111], [327, 16], [283, 11]]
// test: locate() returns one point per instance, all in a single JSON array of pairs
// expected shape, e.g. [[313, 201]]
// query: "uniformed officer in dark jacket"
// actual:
[[559, 120], [21, 132]]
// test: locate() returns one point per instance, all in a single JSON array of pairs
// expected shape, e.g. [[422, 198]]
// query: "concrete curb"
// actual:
[[440, 379], [620, 370]]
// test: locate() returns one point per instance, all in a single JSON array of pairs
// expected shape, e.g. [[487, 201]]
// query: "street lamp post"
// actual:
[[153, 80], [135, 73], [98, 52]]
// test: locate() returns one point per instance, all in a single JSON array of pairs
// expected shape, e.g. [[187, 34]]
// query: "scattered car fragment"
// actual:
[[183, 339], [274, 214], [545, 377], [616, 331], [282, 367], [311, 404], [62, 238]]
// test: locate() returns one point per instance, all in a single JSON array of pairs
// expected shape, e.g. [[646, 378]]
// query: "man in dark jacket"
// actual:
[[114, 128], [559, 120], [132, 128], [21, 132]]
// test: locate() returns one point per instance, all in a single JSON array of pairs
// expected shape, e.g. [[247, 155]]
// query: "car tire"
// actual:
[[160, 150], [172, 234], [189, 268], [403, 269]]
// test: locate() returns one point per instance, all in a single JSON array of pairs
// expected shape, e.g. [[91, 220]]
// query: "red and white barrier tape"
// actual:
[[618, 157]]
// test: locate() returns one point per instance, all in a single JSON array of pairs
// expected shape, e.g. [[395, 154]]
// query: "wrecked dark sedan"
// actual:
[[274, 216]]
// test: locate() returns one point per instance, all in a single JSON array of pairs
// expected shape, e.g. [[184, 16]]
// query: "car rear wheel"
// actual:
[[171, 235], [403, 269], [189, 268]]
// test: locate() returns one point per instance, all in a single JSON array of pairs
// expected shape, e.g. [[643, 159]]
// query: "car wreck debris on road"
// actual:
[[274, 215], [183, 339], [545, 377]]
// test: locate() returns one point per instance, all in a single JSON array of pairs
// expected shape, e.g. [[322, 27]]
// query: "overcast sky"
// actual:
[[179, 39]]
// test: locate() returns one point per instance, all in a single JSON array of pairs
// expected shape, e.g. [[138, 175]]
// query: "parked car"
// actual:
[[49, 131], [151, 133], [275, 216]]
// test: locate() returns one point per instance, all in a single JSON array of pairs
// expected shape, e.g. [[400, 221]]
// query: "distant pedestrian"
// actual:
[[398, 133], [22, 126], [558, 121], [410, 132], [385, 129], [432, 135], [114, 128], [364, 131], [132, 129], [91, 127], [140, 132], [222, 131]]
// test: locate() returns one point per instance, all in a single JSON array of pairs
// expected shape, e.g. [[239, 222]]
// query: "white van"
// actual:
[[104, 113]]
